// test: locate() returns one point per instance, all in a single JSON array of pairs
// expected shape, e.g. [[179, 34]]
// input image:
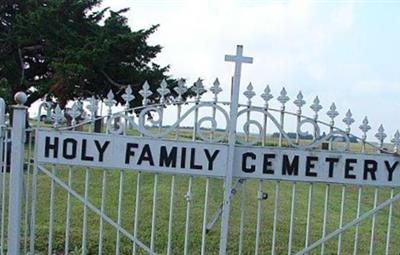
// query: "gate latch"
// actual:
[[262, 195]]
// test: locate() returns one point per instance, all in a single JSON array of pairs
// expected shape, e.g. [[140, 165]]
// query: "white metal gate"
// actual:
[[200, 177]]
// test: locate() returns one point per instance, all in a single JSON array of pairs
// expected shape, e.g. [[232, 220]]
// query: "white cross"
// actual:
[[238, 59]]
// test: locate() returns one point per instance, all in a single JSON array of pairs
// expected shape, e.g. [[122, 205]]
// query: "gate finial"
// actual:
[[180, 89], [396, 141], [216, 89], [267, 95], [20, 98], [283, 98], [348, 120], [299, 102]]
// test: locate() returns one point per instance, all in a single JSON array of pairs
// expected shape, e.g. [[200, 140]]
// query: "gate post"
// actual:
[[238, 59], [16, 173], [2, 130]]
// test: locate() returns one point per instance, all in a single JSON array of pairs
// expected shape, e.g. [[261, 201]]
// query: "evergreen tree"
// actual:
[[68, 49]]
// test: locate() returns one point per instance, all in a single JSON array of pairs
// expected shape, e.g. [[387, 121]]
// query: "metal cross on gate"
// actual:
[[238, 59]]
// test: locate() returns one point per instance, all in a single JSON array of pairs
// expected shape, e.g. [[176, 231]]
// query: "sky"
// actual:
[[345, 52]]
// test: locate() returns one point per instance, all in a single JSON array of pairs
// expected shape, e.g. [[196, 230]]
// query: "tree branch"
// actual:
[[32, 98], [33, 47], [116, 84], [22, 67]]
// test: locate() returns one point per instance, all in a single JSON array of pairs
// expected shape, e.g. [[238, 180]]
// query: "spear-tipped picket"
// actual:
[[216, 89], [267, 95], [145, 92], [128, 96], [92, 107], [381, 135], [364, 128], [396, 141], [332, 113], [283, 98], [348, 120], [180, 89], [198, 88], [163, 90], [109, 102], [58, 116], [299, 102], [316, 107], [74, 112], [249, 93]]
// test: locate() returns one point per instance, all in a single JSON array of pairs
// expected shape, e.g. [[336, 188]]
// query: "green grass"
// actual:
[[197, 212], [196, 216]]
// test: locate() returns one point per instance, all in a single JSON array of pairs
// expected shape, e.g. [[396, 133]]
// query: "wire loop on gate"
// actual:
[[262, 195]]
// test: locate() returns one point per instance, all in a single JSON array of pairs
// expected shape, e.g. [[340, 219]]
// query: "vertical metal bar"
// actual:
[[238, 59], [339, 248], [325, 217], [136, 219], [298, 125], [172, 190], [2, 112], [243, 193], [292, 211], [205, 211], [264, 136], [27, 194], [274, 224], [103, 198], [204, 231], [371, 243], [51, 214], [358, 215], [3, 157], [241, 224], [121, 188], [33, 204], [187, 222], [84, 227], [68, 212], [171, 213], [259, 210], [188, 195], [389, 224], [248, 119], [282, 122], [309, 207], [3, 190], [16, 175], [179, 110], [153, 216]]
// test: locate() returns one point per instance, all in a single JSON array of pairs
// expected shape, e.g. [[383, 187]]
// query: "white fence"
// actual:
[[148, 184]]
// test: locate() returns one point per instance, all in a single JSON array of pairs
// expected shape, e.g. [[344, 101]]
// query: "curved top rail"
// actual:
[[149, 119]]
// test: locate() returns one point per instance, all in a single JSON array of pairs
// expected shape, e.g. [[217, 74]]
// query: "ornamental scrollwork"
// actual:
[[209, 120]]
